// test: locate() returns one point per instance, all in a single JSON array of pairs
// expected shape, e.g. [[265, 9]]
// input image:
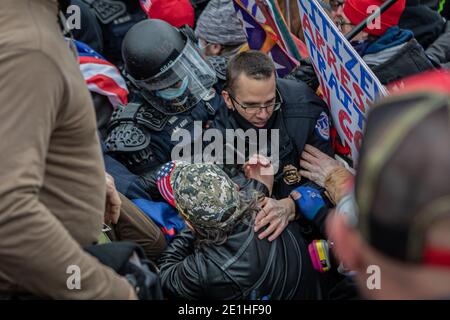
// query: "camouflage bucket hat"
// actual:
[[205, 196]]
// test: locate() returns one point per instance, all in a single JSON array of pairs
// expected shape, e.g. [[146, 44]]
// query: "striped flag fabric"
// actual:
[[146, 5], [294, 46], [262, 37], [102, 76], [163, 182]]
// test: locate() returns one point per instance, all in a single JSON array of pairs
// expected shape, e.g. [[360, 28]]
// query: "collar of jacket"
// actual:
[[392, 38], [376, 59]]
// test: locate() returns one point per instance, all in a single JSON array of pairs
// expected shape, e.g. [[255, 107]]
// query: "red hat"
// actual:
[[437, 81], [176, 12], [357, 10]]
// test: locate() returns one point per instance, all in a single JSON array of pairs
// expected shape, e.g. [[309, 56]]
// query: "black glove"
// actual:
[[128, 260], [145, 281]]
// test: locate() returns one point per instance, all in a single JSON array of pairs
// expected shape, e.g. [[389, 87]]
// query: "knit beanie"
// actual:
[[219, 24]]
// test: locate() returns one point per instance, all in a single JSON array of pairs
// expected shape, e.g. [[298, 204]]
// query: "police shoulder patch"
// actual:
[[323, 126]]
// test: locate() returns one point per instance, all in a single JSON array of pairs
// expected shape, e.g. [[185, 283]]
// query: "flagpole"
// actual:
[[282, 24], [288, 14], [360, 27]]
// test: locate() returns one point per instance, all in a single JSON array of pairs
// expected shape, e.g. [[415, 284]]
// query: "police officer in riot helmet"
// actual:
[[171, 87]]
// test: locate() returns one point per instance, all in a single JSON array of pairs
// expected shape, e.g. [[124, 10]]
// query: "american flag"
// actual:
[[163, 182], [146, 5], [261, 36], [101, 76]]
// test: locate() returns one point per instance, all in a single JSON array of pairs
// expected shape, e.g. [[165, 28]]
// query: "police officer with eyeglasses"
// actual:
[[286, 110]]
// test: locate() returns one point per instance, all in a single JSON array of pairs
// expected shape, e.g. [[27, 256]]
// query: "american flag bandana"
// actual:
[[163, 182]]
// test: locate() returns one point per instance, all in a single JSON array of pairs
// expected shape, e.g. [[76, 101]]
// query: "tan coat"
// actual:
[[52, 183]]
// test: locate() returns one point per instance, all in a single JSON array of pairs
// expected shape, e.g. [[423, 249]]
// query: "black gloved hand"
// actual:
[[143, 277], [128, 260]]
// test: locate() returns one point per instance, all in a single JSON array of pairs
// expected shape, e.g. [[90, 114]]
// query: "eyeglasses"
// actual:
[[341, 22], [252, 110]]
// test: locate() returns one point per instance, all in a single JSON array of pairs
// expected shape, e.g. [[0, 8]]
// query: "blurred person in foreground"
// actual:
[[53, 188], [402, 196]]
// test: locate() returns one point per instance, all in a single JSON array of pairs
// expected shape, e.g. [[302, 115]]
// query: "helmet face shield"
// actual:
[[181, 85]]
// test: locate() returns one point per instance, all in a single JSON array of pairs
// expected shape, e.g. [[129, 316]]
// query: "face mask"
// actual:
[[201, 46], [173, 93]]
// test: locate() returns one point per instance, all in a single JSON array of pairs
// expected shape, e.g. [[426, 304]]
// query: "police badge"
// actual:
[[291, 175]]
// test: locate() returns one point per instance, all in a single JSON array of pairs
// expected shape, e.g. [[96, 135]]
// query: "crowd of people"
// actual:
[[106, 200]]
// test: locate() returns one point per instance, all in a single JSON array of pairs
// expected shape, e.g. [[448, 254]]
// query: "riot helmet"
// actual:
[[166, 66]]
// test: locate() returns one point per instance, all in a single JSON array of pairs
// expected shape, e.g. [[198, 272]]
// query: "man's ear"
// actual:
[[227, 99], [347, 241]]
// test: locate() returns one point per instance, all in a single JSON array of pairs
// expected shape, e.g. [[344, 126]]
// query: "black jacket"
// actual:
[[296, 120], [439, 50], [408, 61], [244, 267], [424, 22]]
